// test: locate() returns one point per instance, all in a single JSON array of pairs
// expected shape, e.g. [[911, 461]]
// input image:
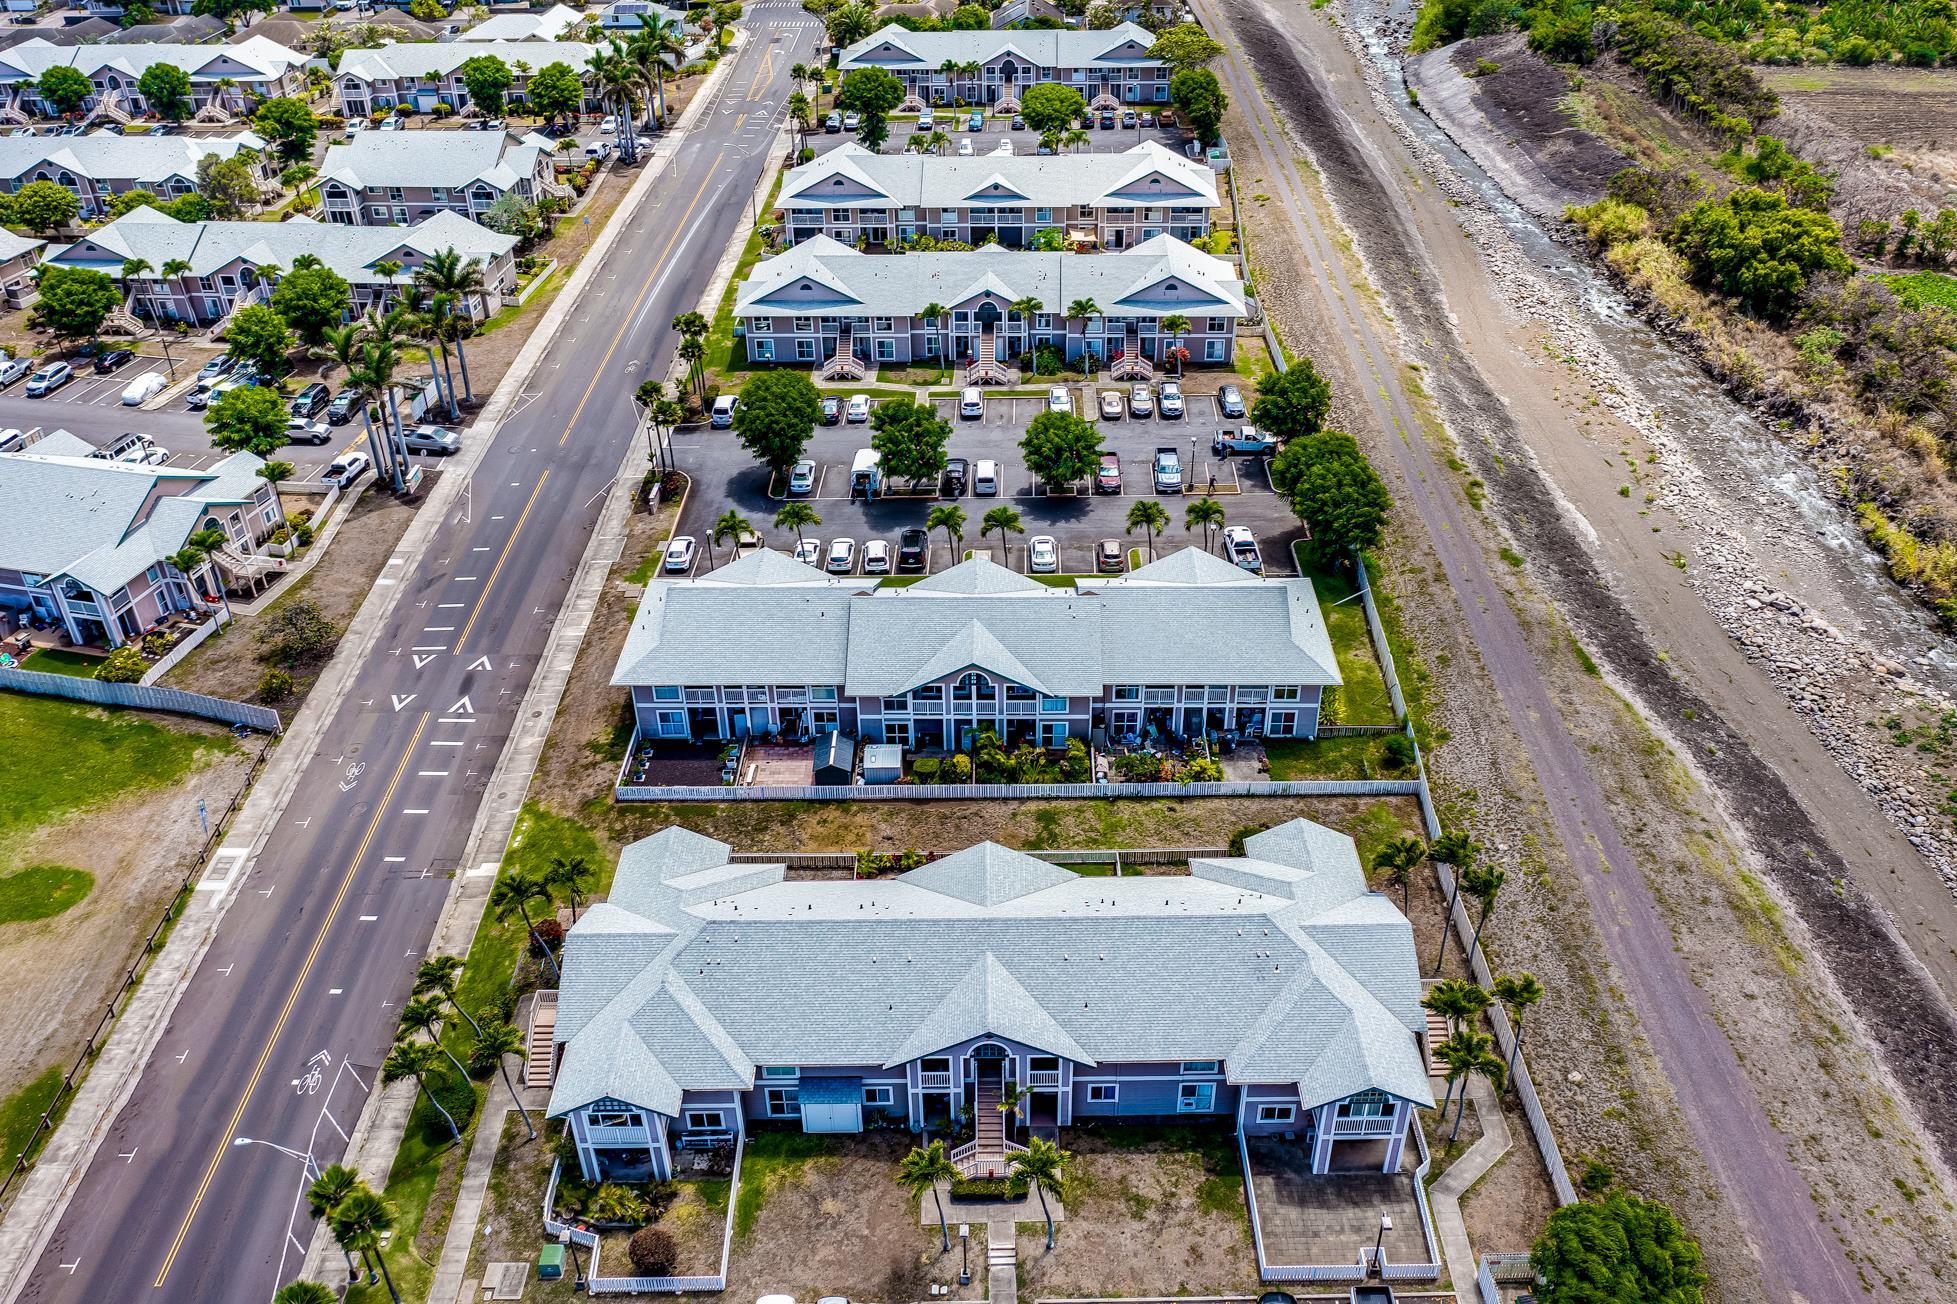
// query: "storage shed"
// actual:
[[835, 760], [832, 1104], [883, 763]]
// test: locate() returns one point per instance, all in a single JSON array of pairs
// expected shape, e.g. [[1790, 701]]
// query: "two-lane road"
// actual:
[[280, 1031]]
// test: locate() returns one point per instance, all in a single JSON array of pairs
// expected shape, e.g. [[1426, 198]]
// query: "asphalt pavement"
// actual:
[[280, 1031]]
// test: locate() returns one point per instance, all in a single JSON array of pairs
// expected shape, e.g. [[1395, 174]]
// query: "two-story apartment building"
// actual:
[[100, 166], [1183, 645], [823, 301], [1270, 993], [1111, 67], [225, 258], [381, 178], [222, 75], [84, 541], [552, 24], [422, 75], [1110, 201]]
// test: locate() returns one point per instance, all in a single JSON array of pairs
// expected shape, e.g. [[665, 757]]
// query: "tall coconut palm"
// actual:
[[1083, 311], [1517, 992], [1044, 1164], [951, 519], [1002, 521], [131, 269], [1484, 884], [503, 1040], [1175, 326], [334, 1183], [1466, 1054], [447, 272], [440, 976], [1457, 1000], [186, 562], [1206, 513], [1075, 138], [416, 1059], [800, 110], [1458, 850], [1147, 514], [938, 318], [797, 516], [173, 270], [731, 525], [922, 1170], [1029, 308], [516, 891], [426, 1014], [571, 877], [362, 1222], [379, 359], [1399, 858], [937, 142]]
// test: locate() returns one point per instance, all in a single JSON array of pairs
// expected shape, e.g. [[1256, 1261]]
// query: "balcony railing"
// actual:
[[933, 1081], [1043, 1077], [1383, 1126]]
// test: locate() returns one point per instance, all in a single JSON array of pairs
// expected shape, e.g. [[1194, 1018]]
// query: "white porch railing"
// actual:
[[1043, 1077], [1345, 1127], [182, 648], [971, 1163], [934, 1081]]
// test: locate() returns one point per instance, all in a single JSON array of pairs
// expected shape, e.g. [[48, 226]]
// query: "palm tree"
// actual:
[[1005, 521], [131, 269], [515, 892], [1457, 1000], [388, 269], [185, 562], [379, 358], [939, 315], [937, 142], [1012, 1103], [306, 1292], [362, 1221], [1459, 850], [448, 273], [921, 1170], [572, 876], [170, 271], [796, 516], [1484, 884], [1399, 858], [334, 1183], [1206, 512], [731, 525], [1517, 993], [503, 1040], [1149, 515], [1075, 138], [800, 109], [1044, 1164], [424, 1014], [1467, 1053], [439, 976], [1028, 307], [951, 519], [693, 352], [801, 74], [416, 1059], [1177, 326]]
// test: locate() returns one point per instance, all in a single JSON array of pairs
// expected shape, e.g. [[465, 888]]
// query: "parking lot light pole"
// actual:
[[965, 1254], [1379, 1243]]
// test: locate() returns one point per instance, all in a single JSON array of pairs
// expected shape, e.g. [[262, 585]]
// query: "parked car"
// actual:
[[298, 430], [1058, 400], [110, 359], [971, 404], [428, 439], [496, 124], [1241, 545], [221, 365], [842, 557], [344, 405], [801, 478], [832, 124], [13, 369], [858, 410], [955, 478], [1043, 554], [832, 410], [1168, 471], [1109, 557], [876, 557], [609, 125], [679, 555], [1128, 118], [965, 149], [852, 121], [724, 408], [1141, 400], [976, 122], [12, 439], [354, 125], [1107, 119], [49, 378], [1230, 401], [142, 389], [598, 150], [311, 401], [1111, 405], [985, 479], [1018, 122], [913, 546], [1148, 118], [1107, 476], [808, 551], [392, 124], [924, 122], [200, 395], [346, 470], [1169, 399]]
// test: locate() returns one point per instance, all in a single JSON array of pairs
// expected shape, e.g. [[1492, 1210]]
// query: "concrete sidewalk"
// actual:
[[1444, 1196]]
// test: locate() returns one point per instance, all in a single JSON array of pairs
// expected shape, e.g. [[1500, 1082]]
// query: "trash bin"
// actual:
[[550, 1263]]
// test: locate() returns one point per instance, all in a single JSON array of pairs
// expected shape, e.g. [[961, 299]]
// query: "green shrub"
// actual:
[[1397, 752], [989, 1188], [275, 685], [125, 665]]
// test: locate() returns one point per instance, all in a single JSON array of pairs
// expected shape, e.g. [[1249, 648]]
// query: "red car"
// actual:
[[1107, 479]]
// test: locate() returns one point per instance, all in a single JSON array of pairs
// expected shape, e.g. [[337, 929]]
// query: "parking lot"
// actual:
[[92, 390], [1076, 517]]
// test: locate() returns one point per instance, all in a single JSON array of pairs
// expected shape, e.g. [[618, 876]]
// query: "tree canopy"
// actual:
[[910, 438], [43, 206], [74, 300], [166, 89], [247, 419], [258, 335], [63, 89], [488, 80], [1335, 491], [1758, 248], [1186, 45], [227, 11], [556, 91], [290, 124], [227, 185], [1199, 98], [311, 299], [1292, 403], [776, 416], [872, 92], [1050, 106], [847, 24], [1622, 1250], [1060, 448]]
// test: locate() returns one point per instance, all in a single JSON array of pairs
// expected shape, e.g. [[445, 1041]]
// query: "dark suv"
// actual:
[[311, 401], [343, 407], [114, 358], [957, 474], [832, 410], [913, 546]]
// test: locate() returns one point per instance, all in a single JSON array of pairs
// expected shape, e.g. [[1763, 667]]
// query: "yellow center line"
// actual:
[[759, 86], [508, 544], [291, 999]]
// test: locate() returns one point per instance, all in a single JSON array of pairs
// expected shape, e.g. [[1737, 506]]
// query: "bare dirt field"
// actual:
[[1876, 106]]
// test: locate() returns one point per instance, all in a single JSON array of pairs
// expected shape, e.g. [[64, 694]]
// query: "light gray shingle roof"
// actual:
[[255, 59], [1149, 175], [1125, 46], [445, 159], [440, 59], [118, 158]]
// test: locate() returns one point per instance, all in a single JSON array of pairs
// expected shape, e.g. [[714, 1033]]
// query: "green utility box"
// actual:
[[550, 1263]]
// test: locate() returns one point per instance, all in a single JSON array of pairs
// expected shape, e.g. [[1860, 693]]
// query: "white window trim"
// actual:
[[878, 1095], [1103, 1093], [1193, 1068], [1277, 1113], [694, 1117]]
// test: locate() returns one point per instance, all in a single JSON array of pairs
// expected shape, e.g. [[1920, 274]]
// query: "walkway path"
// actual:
[[1002, 1262], [1444, 1196]]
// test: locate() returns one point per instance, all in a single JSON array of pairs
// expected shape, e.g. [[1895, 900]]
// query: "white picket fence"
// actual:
[[143, 697], [599, 1284]]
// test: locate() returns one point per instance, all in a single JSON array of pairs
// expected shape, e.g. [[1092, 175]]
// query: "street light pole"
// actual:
[[305, 1156], [577, 1267], [965, 1254]]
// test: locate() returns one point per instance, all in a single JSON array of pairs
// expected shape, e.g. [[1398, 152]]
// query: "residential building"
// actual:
[[824, 304], [1111, 67], [99, 166], [422, 76], [222, 77], [18, 255], [224, 259], [380, 178], [1110, 200], [1014, 12], [551, 24], [632, 15], [84, 541], [1269, 993], [1185, 645]]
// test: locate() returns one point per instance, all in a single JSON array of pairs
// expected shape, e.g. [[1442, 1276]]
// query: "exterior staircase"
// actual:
[[1436, 1034], [257, 294], [109, 106], [12, 113], [538, 1050], [250, 566], [213, 112], [123, 320], [843, 364], [985, 1155], [1128, 362], [985, 367]]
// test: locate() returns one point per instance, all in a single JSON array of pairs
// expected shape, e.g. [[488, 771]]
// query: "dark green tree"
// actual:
[[45, 207], [969, 18], [247, 419], [910, 438], [311, 299], [1200, 101], [1186, 45], [74, 301], [1622, 1250], [1757, 247], [556, 91], [1060, 448], [290, 124], [777, 415], [227, 185], [227, 11], [166, 89], [488, 80], [1336, 492], [258, 335], [63, 89], [1050, 106], [1292, 403], [131, 200], [872, 92]]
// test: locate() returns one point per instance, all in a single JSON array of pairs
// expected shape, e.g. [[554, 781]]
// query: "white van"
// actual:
[[985, 479], [722, 416], [865, 471]]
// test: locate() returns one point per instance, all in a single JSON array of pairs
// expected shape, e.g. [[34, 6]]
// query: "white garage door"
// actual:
[[832, 1118]]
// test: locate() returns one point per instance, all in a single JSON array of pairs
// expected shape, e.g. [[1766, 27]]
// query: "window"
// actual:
[[935, 1064], [761, 325], [1198, 1066], [784, 1102], [1219, 324], [1196, 1098], [1285, 693], [822, 694], [780, 1071], [886, 323], [670, 724], [763, 350], [876, 1095], [928, 693], [804, 350], [711, 1120], [896, 705], [1367, 1104], [1042, 215], [1276, 1113], [803, 325], [930, 346], [1127, 692], [886, 350], [1103, 1093], [1213, 350], [614, 1118], [1053, 704]]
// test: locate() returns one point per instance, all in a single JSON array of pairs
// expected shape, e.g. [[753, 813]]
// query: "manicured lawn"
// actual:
[[723, 355], [21, 1113], [41, 892], [1362, 698], [62, 757], [57, 661], [1329, 758]]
